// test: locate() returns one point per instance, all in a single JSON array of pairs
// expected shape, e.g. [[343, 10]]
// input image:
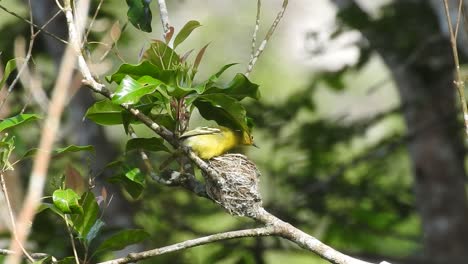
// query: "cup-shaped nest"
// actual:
[[236, 189]]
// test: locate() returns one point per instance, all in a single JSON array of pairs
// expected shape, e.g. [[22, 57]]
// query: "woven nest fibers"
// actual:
[[237, 188]]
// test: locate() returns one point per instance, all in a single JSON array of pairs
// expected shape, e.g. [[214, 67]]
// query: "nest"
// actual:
[[237, 188]]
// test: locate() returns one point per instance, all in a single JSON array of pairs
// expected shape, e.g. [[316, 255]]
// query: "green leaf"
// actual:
[[223, 109], [9, 68], [185, 32], [7, 145], [73, 148], [139, 14], [162, 55], [67, 201], [123, 239], [69, 149], [130, 91], [105, 113], [151, 144], [53, 208], [84, 222], [145, 68], [17, 120], [239, 88], [95, 230], [134, 182]]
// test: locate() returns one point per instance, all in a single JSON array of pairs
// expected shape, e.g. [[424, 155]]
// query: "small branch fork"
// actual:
[[459, 83], [256, 54]]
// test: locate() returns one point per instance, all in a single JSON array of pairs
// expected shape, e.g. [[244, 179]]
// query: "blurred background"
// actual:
[[359, 128]]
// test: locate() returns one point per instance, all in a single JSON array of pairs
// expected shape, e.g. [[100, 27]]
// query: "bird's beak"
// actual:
[[255, 145]]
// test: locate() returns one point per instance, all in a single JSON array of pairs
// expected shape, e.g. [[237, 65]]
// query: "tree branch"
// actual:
[[132, 257], [270, 32], [164, 14]]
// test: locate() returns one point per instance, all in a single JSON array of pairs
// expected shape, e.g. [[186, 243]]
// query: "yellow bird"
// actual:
[[209, 142]]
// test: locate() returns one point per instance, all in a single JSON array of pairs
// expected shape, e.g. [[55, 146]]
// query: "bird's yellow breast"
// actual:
[[212, 145]]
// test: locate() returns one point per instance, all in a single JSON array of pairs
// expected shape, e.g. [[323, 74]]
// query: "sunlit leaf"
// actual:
[[139, 14], [185, 32], [17, 120], [150, 144], [130, 90], [67, 201], [123, 239]]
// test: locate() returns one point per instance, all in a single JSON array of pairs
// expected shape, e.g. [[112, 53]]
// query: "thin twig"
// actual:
[[164, 14], [270, 32], [257, 26], [12, 218], [34, 25], [133, 257], [6, 252], [93, 19], [459, 14], [459, 83], [72, 240]]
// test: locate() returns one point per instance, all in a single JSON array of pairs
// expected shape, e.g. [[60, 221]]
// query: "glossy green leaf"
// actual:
[[83, 223], [67, 201], [162, 55], [134, 182], [136, 71], [123, 239], [239, 88], [130, 91], [185, 32], [150, 144], [17, 120], [223, 109], [105, 113], [9, 68], [139, 14]]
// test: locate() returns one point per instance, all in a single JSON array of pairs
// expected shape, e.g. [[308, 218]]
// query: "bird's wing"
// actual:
[[200, 131]]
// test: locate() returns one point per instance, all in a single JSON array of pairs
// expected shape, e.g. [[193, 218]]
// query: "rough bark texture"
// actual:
[[410, 43]]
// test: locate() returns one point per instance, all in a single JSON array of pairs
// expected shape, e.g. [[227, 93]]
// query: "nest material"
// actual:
[[237, 188]]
